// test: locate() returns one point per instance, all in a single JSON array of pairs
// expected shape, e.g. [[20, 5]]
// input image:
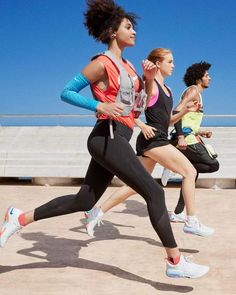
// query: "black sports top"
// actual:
[[158, 115]]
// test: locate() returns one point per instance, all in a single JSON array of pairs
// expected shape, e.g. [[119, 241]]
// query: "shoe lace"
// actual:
[[189, 258], [200, 226], [195, 223], [18, 231], [100, 221]]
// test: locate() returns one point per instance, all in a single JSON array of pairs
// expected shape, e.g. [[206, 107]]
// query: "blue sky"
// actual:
[[43, 44]]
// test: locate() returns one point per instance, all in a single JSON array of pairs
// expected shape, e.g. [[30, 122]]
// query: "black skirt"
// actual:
[[143, 144]]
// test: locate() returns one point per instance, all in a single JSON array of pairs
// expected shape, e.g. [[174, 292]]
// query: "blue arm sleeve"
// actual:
[[70, 93]]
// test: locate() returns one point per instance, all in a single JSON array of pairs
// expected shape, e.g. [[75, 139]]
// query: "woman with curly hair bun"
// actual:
[[108, 142]]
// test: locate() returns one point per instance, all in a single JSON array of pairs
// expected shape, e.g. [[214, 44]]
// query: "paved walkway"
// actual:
[[57, 257]]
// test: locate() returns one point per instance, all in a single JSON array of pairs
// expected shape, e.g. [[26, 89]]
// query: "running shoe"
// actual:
[[10, 225], [185, 269], [166, 175], [196, 228], [93, 218], [181, 217]]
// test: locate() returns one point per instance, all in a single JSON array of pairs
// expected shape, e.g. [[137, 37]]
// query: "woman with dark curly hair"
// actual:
[[197, 79], [114, 84]]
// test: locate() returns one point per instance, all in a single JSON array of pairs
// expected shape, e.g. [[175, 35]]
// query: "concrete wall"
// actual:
[[62, 152]]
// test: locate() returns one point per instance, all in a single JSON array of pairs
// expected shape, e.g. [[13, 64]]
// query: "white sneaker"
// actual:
[[185, 269], [166, 175], [181, 217], [194, 227], [10, 225], [93, 218]]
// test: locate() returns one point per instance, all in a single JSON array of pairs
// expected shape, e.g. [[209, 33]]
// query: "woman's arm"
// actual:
[[176, 117], [149, 71], [189, 102], [148, 131], [92, 73]]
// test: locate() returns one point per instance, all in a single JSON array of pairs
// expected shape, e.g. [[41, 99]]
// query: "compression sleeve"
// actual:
[[178, 125], [70, 93]]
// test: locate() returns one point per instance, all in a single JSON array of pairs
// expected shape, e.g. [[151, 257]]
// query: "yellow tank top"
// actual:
[[192, 120]]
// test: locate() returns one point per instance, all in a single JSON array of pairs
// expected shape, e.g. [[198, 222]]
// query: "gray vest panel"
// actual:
[[126, 93]]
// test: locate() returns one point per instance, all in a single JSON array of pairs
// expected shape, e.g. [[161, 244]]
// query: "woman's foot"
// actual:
[[10, 225], [193, 226], [181, 217], [166, 175], [185, 269], [93, 218]]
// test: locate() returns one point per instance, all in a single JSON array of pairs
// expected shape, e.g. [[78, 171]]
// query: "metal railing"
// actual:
[[89, 120]]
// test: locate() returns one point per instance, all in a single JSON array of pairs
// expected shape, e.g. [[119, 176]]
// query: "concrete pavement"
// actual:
[[56, 256]]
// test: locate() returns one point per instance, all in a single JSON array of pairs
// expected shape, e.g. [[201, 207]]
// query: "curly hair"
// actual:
[[195, 72], [103, 17]]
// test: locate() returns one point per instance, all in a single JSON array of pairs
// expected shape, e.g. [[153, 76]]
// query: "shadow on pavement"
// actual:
[[61, 252]]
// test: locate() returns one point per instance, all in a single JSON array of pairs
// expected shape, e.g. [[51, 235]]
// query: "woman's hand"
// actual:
[[193, 106], [148, 131], [182, 145], [110, 109], [149, 69], [206, 133]]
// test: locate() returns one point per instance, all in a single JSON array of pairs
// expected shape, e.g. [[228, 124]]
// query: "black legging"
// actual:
[[202, 162], [114, 157]]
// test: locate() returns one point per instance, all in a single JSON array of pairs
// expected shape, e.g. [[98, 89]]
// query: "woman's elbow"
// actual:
[[64, 95]]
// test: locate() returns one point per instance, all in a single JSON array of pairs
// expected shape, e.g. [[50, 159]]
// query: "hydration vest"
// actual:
[[126, 94]]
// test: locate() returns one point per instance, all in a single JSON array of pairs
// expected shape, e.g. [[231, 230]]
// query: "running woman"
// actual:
[[197, 79], [108, 142], [153, 145]]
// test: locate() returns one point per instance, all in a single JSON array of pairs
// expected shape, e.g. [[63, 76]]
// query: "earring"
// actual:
[[113, 36]]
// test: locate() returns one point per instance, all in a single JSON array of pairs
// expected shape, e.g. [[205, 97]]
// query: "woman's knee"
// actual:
[[157, 194], [190, 172], [156, 203]]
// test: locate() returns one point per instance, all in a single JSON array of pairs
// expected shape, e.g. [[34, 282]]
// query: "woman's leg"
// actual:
[[180, 205], [120, 159], [172, 159], [199, 157], [202, 162], [121, 194], [96, 181], [114, 156]]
